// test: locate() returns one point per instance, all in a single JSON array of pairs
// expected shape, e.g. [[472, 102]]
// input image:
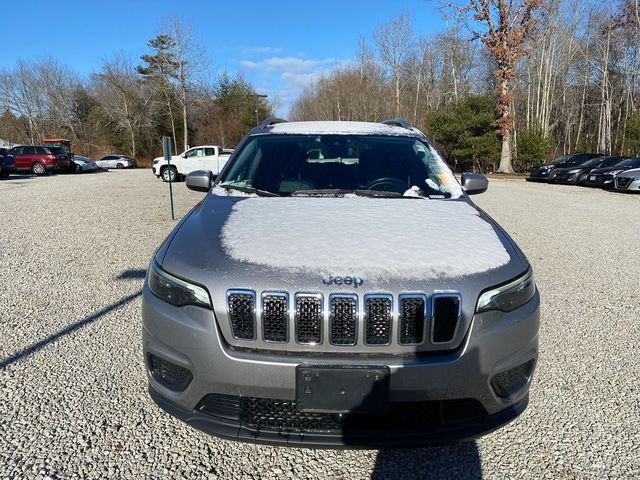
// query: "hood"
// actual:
[[605, 170], [633, 173], [304, 244]]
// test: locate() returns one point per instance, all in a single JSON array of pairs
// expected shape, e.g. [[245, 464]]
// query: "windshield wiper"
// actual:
[[261, 193]]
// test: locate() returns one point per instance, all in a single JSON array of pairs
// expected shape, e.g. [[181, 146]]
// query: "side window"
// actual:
[[29, 150], [209, 152], [190, 153], [108, 157], [16, 151], [43, 151]]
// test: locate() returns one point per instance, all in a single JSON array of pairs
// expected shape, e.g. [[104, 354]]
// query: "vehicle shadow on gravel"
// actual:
[[126, 275], [461, 461]]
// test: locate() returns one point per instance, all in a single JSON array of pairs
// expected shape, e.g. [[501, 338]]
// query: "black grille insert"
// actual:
[[446, 312], [275, 317], [308, 318], [378, 312], [412, 319], [242, 314], [343, 319], [623, 182], [286, 416]]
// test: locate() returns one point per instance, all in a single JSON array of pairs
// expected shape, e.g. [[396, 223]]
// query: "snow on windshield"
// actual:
[[372, 238]]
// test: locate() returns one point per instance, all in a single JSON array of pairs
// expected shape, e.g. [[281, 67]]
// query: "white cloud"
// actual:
[[261, 50], [284, 77]]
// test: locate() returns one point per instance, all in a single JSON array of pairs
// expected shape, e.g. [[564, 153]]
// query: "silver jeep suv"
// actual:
[[337, 287]]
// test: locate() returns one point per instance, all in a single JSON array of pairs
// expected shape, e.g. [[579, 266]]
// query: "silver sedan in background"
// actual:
[[628, 181], [116, 161], [84, 164]]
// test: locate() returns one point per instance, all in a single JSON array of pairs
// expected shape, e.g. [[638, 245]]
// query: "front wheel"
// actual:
[[38, 168], [582, 179], [169, 174], [119, 166]]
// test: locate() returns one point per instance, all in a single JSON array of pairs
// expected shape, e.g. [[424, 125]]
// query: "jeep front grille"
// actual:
[[242, 313], [446, 313], [413, 314], [343, 319], [308, 318], [286, 321], [275, 317], [378, 315]]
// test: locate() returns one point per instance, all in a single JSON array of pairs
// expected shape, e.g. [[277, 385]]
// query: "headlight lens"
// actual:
[[614, 172], [174, 290], [509, 296]]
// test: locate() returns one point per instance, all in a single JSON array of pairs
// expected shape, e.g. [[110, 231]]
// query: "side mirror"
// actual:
[[474, 183], [200, 180]]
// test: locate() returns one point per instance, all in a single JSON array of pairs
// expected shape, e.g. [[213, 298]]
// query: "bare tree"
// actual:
[[394, 41], [506, 27], [190, 61]]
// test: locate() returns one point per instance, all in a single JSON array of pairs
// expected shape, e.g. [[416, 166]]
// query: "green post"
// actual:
[[167, 149]]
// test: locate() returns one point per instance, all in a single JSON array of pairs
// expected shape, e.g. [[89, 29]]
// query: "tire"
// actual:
[[119, 166], [169, 173], [3, 174], [38, 168], [582, 179]]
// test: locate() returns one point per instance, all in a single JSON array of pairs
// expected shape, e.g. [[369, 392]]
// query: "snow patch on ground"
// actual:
[[370, 238]]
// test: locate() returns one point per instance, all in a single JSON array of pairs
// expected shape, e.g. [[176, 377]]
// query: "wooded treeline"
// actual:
[[131, 102], [576, 89]]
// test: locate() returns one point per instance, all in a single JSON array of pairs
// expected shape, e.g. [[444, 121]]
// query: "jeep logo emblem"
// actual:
[[355, 281]]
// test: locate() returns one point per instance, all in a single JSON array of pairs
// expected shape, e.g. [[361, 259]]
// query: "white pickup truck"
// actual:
[[204, 157]]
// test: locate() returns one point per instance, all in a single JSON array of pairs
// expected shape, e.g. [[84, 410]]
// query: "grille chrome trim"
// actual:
[[356, 320], [426, 322], [434, 297], [321, 315], [390, 320], [252, 294], [287, 315]]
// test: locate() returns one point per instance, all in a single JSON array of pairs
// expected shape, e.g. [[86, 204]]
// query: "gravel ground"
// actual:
[[73, 401]]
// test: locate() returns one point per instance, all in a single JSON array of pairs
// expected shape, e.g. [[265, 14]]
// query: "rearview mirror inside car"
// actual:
[[474, 183], [200, 180]]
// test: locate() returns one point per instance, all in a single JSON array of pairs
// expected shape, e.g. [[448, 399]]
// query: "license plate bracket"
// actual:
[[342, 389]]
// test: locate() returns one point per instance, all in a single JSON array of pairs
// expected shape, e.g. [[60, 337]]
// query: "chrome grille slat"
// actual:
[[446, 309], [241, 305], [378, 317], [343, 319], [309, 315], [412, 317], [275, 316]]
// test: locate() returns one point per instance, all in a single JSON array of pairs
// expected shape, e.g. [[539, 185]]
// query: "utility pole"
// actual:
[[258, 96]]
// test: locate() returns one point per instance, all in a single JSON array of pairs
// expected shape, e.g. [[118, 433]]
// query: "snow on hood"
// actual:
[[411, 239], [341, 128]]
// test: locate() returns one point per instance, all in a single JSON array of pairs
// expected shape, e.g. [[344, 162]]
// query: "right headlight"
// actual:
[[509, 296], [174, 290]]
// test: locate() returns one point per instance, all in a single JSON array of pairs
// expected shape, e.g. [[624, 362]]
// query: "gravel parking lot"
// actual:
[[73, 401]]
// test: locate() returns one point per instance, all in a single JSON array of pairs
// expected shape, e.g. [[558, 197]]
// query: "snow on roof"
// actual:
[[370, 238], [341, 128]]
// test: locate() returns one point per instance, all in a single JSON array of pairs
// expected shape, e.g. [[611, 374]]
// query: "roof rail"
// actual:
[[398, 122], [267, 122]]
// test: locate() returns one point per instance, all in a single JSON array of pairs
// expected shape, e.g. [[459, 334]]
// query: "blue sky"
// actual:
[[278, 45]]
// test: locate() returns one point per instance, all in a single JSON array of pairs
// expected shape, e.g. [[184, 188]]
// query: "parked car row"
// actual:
[[591, 170], [40, 159]]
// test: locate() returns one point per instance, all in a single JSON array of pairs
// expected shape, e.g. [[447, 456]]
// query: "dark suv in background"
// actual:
[[541, 173], [7, 164], [38, 160]]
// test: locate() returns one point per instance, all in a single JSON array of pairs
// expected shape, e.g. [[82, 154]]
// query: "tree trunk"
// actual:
[[505, 153]]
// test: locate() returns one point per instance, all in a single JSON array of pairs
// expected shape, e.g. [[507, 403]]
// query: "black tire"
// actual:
[[38, 168], [169, 173], [582, 179], [3, 174], [119, 166]]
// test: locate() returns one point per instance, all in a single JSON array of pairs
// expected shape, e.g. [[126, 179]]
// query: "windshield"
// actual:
[[632, 162], [561, 160], [338, 164], [594, 162]]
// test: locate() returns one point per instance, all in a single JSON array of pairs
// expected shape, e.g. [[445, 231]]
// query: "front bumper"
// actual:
[[600, 181], [190, 338]]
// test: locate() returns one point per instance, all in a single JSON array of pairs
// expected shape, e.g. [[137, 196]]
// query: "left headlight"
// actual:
[[174, 290], [509, 296]]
